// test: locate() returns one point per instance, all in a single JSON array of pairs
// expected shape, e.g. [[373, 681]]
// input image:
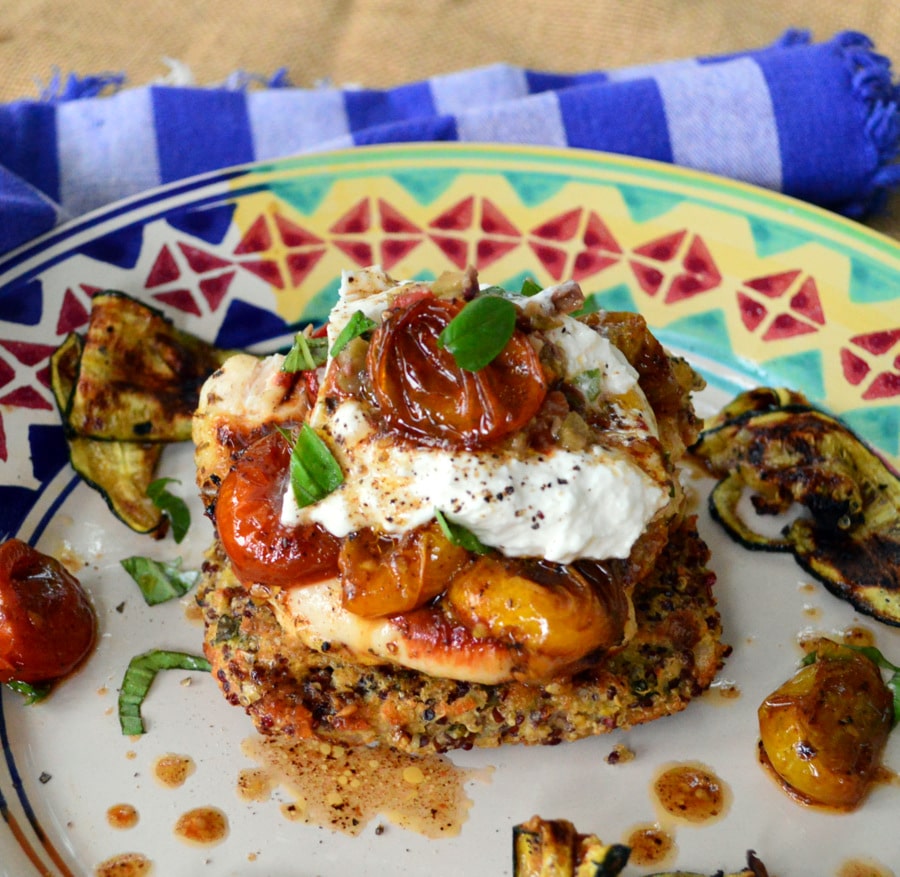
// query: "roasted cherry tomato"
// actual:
[[248, 520], [47, 623], [381, 575], [424, 395], [823, 732], [555, 614]]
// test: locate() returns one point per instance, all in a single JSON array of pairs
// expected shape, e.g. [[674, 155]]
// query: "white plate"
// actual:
[[752, 287]]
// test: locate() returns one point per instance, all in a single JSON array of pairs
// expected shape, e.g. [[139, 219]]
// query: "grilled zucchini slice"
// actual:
[[553, 848], [121, 471], [139, 377], [126, 388], [785, 452]]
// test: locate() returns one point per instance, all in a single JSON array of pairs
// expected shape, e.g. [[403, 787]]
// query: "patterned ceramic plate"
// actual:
[[752, 287]]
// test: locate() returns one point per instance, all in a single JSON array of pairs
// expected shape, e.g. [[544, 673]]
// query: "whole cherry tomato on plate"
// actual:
[[823, 732], [47, 623]]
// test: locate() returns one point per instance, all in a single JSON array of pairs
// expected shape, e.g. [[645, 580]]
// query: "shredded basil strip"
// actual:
[[306, 354], [174, 507], [314, 471], [879, 660], [357, 325], [477, 335], [139, 676], [31, 691], [459, 535], [160, 581]]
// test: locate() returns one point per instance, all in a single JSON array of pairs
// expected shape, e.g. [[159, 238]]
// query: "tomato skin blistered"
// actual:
[[425, 396], [823, 732], [47, 622], [248, 510]]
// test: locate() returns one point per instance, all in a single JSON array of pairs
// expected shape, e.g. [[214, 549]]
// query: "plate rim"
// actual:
[[27, 258], [770, 199]]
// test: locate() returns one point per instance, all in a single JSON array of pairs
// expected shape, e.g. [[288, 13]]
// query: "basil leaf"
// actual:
[[139, 676], [31, 691], [530, 287], [357, 325], [314, 471], [306, 353], [458, 535], [479, 332], [174, 507], [159, 581]]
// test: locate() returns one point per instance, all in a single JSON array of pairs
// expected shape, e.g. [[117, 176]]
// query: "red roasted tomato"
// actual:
[[424, 395], [248, 518], [47, 623]]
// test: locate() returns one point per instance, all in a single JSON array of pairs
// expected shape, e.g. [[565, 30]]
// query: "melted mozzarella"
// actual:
[[560, 505], [314, 615]]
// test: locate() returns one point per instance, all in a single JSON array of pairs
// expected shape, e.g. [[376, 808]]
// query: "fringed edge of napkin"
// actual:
[[72, 86], [872, 85], [871, 82]]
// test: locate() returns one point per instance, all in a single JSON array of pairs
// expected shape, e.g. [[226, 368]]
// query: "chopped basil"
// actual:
[[314, 471], [32, 692], [306, 353], [139, 677], [173, 507], [459, 535], [357, 325], [160, 581], [479, 332], [590, 383], [879, 660], [227, 628]]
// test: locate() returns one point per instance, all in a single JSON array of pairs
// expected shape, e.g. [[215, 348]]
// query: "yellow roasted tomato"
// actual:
[[385, 575], [555, 614], [824, 731]]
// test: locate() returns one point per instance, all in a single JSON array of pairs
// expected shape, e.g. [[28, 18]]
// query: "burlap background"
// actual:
[[386, 42]]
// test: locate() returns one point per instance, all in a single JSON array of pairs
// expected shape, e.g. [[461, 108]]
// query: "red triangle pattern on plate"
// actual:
[[293, 235], [214, 289], [675, 266], [28, 353], [357, 220], [201, 261], [876, 355], [256, 239], [72, 315], [458, 218], [781, 306], [26, 397], [165, 269], [180, 299], [498, 235], [679, 262]]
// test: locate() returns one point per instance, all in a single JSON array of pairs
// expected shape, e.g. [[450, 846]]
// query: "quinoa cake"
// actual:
[[455, 520]]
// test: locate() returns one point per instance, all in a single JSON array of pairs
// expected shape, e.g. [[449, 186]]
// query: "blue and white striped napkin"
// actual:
[[817, 121]]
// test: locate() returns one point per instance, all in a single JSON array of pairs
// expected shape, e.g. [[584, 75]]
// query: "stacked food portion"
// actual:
[[453, 518]]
